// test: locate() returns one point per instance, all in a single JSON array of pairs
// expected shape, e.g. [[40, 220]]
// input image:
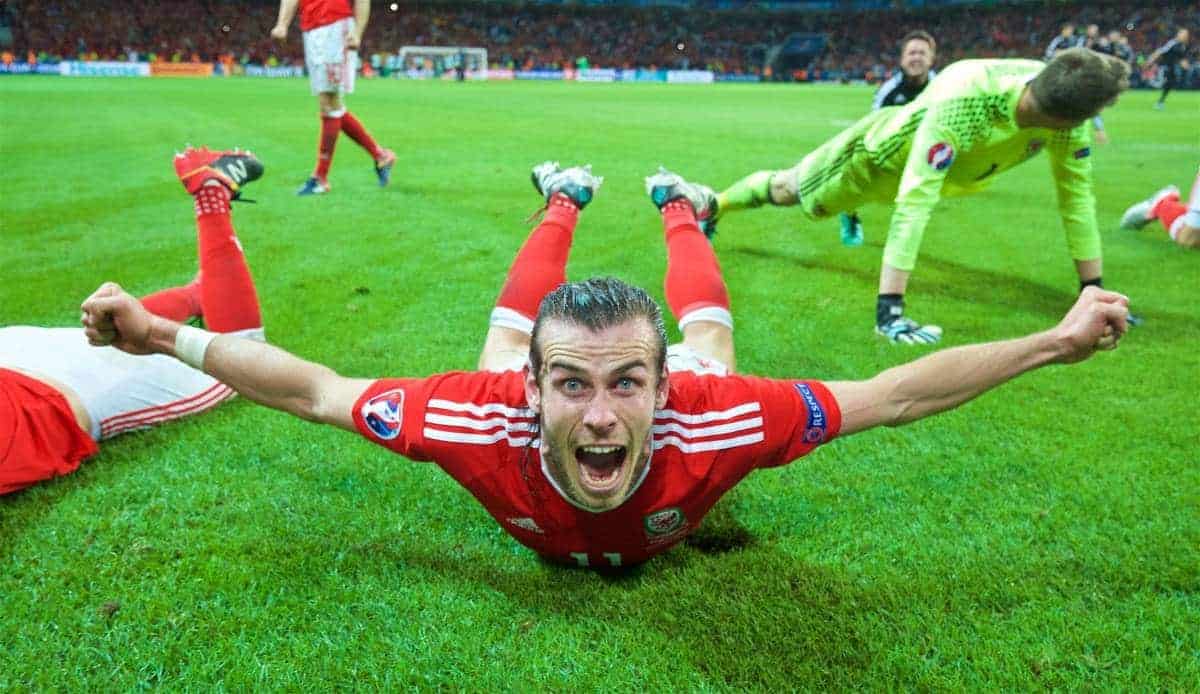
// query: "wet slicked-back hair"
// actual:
[[596, 304], [1079, 82]]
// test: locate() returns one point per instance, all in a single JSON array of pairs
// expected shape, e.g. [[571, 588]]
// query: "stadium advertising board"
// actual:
[[735, 77], [689, 76], [641, 75], [544, 75], [30, 69], [103, 68], [181, 69], [597, 75], [274, 71]]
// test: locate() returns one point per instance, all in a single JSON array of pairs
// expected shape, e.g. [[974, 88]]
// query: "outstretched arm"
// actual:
[[949, 378], [263, 373]]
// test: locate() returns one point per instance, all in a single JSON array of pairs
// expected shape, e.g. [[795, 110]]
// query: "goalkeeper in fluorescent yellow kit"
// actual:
[[976, 119]]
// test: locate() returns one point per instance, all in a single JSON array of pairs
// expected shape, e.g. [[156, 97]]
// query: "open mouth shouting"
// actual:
[[600, 468]]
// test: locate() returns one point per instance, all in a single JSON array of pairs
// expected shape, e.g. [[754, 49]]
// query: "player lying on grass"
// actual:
[[584, 435], [332, 31], [59, 397], [976, 119], [1181, 223]]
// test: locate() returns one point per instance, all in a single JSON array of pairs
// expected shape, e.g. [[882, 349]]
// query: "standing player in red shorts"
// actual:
[[584, 435], [59, 397], [332, 32]]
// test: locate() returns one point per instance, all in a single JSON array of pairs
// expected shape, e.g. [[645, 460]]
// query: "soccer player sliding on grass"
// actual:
[[1182, 223], [976, 119], [59, 397], [584, 435]]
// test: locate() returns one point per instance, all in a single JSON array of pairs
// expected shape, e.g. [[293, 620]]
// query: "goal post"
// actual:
[[435, 62]]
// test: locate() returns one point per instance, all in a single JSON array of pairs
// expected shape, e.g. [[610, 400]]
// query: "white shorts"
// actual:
[[331, 67], [1192, 217], [121, 392]]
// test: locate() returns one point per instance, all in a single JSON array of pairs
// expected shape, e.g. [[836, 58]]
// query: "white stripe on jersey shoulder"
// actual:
[[885, 89], [477, 424], [713, 445], [710, 416], [479, 439], [716, 430], [480, 410]]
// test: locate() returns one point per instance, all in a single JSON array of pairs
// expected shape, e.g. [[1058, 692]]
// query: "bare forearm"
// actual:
[[949, 378], [287, 11], [258, 371], [362, 14]]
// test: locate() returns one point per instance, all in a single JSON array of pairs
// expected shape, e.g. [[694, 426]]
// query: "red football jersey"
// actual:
[[713, 432], [318, 13]]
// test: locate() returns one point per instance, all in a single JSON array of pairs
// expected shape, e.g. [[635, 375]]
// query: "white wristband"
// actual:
[[191, 344]]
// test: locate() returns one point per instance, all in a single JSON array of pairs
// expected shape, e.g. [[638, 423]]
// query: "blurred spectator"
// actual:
[[557, 36]]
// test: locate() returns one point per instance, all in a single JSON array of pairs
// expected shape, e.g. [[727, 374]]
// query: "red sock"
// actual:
[[330, 127], [1168, 209], [179, 304], [354, 128], [227, 294], [539, 267], [694, 287]]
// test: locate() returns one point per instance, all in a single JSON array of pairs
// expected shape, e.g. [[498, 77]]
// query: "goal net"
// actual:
[[442, 62]]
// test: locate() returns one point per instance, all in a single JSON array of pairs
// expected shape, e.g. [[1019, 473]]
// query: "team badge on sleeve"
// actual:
[[940, 156], [384, 414], [815, 430]]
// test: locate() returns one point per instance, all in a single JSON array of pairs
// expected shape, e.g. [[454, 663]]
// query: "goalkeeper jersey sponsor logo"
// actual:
[[818, 423], [940, 156], [384, 414], [1083, 152]]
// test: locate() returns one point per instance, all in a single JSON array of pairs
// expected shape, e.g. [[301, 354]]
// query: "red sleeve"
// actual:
[[798, 416], [727, 426], [462, 419], [391, 413]]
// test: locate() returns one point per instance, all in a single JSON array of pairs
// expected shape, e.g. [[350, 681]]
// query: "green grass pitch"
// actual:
[[1045, 535]]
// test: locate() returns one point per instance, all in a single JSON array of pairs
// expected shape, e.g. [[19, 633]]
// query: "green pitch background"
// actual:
[[1046, 535]]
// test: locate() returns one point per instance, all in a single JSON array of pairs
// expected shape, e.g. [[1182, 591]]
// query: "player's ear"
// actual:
[[663, 389], [533, 392]]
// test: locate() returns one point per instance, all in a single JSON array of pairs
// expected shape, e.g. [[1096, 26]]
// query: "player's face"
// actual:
[[595, 399], [916, 58]]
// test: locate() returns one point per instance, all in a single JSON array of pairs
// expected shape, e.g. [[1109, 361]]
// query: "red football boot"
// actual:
[[234, 169]]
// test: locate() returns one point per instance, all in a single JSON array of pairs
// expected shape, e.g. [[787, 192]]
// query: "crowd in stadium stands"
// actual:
[[541, 36]]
